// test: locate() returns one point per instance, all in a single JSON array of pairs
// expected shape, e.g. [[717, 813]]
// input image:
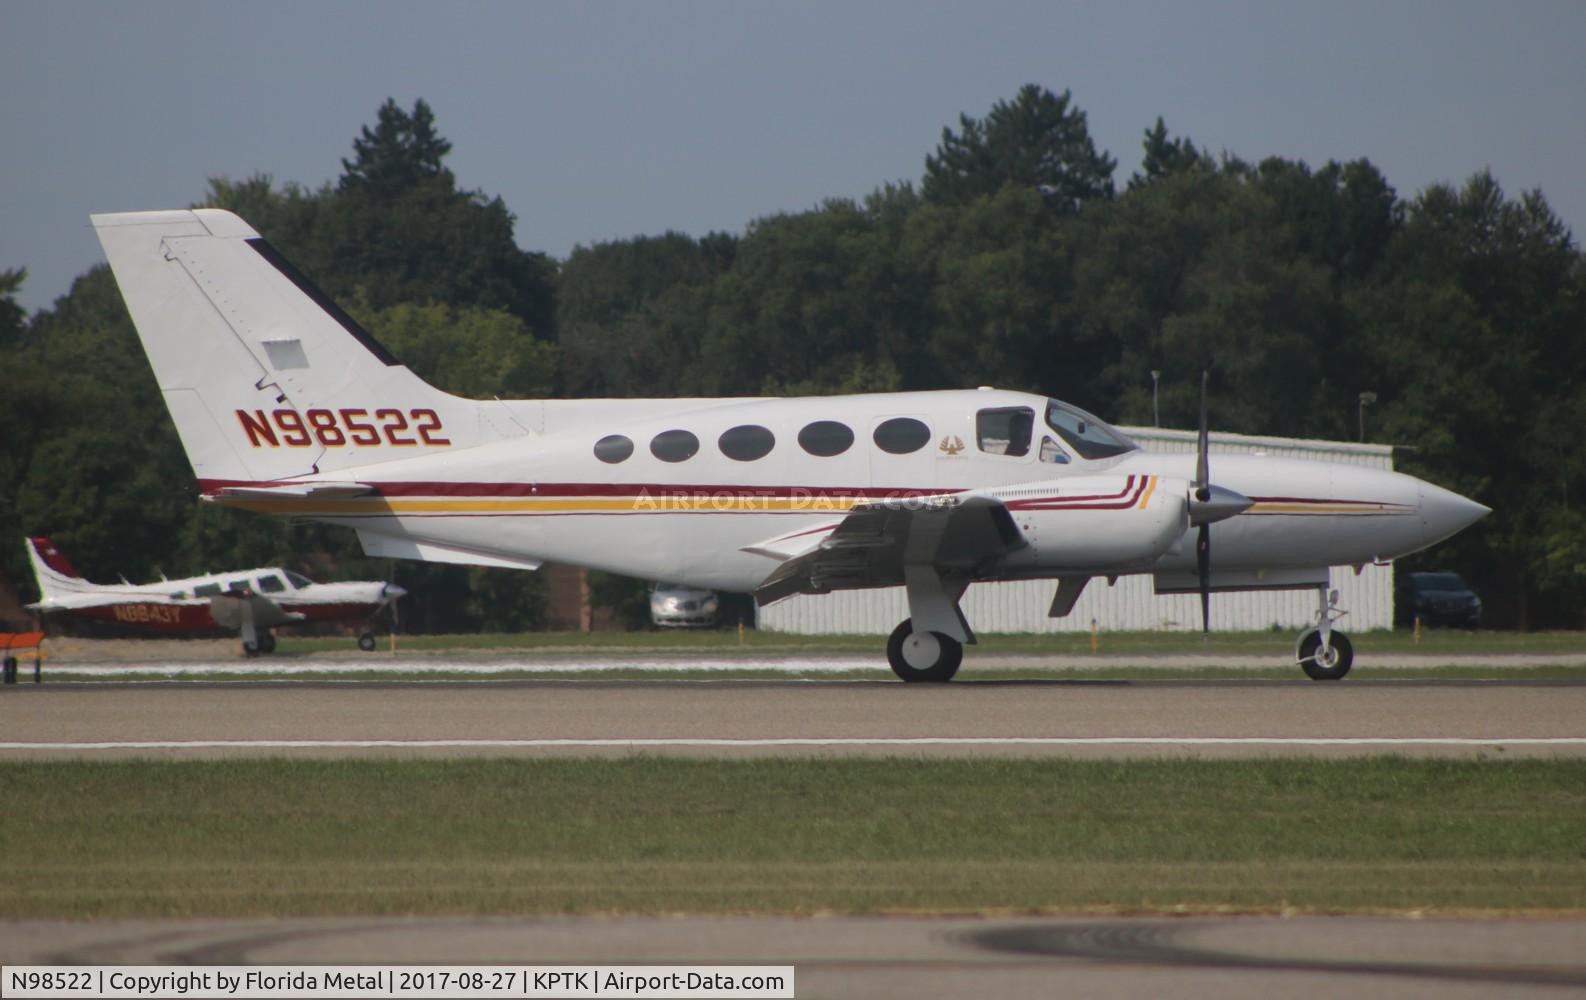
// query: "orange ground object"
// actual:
[[20, 640], [10, 643]]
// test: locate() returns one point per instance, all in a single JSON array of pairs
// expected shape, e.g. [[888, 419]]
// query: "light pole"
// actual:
[[1156, 415], [1366, 399]]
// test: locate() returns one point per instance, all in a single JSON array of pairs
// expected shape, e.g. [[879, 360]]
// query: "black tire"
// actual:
[[1332, 668], [250, 649], [266, 642], [366, 642], [943, 654]]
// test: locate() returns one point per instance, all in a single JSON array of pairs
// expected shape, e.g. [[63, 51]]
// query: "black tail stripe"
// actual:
[[322, 300]]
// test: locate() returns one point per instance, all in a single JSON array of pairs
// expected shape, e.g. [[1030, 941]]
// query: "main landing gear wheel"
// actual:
[[366, 642], [266, 642], [1329, 665], [923, 656]]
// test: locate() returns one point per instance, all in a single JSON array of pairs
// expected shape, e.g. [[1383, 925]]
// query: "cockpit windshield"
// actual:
[[1084, 433], [296, 581]]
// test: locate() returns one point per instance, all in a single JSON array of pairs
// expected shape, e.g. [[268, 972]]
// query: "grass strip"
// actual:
[[650, 835]]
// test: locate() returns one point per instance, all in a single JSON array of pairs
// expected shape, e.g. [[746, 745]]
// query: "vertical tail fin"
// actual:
[[265, 378], [53, 571]]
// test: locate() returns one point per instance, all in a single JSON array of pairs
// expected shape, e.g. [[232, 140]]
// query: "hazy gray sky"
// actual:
[[596, 121]]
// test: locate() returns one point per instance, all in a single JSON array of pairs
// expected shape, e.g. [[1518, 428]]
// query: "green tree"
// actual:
[[95, 459], [1165, 157], [1476, 345], [13, 318], [814, 301], [402, 152], [630, 312], [1036, 141], [481, 353], [398, 227]]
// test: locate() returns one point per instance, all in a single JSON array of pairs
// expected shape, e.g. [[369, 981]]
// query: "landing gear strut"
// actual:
[[1324, 653], [923, 656]]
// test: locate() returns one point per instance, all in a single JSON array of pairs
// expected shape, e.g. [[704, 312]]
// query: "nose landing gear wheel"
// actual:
[[1329, 665], [923, 656], [366, 642]]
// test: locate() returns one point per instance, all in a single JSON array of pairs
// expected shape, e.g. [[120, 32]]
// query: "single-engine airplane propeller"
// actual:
[[286, 405], [249, 601]]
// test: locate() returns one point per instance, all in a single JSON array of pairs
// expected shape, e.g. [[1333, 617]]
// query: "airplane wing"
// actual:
[[232, 609], [954, 535]]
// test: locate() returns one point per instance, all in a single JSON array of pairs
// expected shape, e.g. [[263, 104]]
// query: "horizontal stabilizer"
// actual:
[[293, 491]]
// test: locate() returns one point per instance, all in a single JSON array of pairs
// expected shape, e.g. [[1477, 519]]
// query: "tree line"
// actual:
[[1016, 261]]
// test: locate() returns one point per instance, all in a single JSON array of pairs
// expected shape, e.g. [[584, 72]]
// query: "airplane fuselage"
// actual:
[[712, 493]]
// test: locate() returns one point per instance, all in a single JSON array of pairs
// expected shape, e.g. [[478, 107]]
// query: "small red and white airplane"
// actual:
[[285, 405], [251, 601]]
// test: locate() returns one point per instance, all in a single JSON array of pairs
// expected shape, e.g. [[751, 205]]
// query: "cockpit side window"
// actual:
[[1050, 452], [1087, 435], [270, 585], [1005, 430]]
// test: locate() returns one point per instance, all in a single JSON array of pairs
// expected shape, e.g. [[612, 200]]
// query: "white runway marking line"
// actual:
[[804, 741]]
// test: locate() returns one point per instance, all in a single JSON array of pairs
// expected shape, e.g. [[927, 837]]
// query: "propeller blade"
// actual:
[[1203, 493], [1203, 564], [1202, 470], [396, 602]]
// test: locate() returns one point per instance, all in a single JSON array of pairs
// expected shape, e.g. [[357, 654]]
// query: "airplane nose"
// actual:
[[1447, 513], [392, 591]]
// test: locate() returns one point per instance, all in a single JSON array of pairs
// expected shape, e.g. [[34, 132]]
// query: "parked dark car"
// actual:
[[1436, 599]]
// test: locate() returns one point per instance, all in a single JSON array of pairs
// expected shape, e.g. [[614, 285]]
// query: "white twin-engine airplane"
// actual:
[[285, 405], [249, 601]]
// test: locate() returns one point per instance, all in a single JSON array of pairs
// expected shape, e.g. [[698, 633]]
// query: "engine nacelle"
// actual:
[[1093, 525]]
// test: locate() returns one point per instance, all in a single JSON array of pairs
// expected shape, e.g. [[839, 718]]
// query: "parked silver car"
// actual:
[[673, 605]]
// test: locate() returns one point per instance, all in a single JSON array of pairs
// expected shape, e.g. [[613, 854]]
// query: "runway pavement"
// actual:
[[758, 717], [859, 957]]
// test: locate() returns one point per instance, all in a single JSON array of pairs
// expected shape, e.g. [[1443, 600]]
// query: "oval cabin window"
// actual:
[[826, 438], [746, 443], [901, 435], [674, 446], [613, 448]]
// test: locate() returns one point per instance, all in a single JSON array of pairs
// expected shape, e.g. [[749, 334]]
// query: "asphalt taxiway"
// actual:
[[749, 717]]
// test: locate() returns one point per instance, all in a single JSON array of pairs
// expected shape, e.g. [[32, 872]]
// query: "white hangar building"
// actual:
[[1130, 604]]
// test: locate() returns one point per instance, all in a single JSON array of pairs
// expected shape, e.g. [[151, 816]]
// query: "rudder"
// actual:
[[53, 572]]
